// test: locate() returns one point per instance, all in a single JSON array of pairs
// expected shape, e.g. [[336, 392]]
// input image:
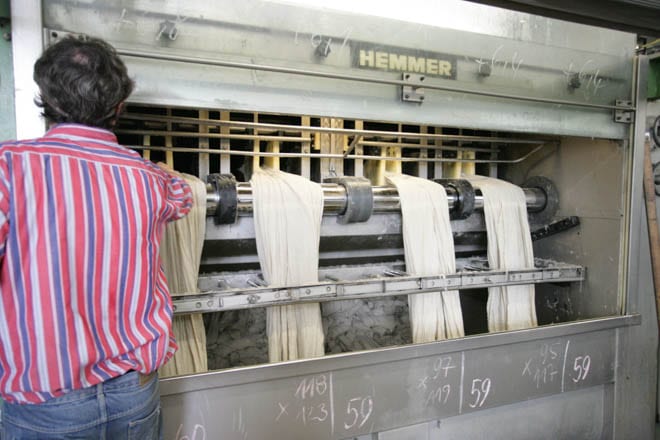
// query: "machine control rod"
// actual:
[[385, 199]]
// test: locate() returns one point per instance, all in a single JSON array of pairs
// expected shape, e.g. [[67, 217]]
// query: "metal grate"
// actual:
[[207, 141]]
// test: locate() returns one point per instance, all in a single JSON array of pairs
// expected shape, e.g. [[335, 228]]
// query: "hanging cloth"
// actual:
[[181, 253], [509, 247], [429, 250], [287, 220]]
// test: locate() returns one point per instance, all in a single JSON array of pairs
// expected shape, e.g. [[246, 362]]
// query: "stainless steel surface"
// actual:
[[144, 55], [233, 247], [634, 391], [537, 66], [27, 45], [385, 199], [636, 16], [528, 56], [344, 396], [308, 367]]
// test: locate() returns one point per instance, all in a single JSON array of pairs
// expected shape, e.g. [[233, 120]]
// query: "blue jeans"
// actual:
[[120, 408]]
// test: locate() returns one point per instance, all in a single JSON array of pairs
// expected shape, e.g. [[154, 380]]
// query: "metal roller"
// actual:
[[337, 198]]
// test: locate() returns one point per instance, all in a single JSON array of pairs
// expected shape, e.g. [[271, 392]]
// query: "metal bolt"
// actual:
[[198, 304], [307, 291], [327, 289], [407, 96], [209, 303]]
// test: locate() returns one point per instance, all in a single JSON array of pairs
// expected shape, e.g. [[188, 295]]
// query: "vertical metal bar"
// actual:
[[203, 142], [390, 165], [636, 372], [169, 155], [273, 161], [146, 141], [492, 167], [422, 167], [27, 45], [438, 168], [305, 147], [331, 143], [225, 159], [256, 144], [325, 146], [359, 150], [468, 168]]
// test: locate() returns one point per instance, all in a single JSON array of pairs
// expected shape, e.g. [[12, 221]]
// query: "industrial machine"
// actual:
[[554, 107]]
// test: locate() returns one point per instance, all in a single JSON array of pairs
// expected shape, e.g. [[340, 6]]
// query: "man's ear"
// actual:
[[120, 108], [118, 112]]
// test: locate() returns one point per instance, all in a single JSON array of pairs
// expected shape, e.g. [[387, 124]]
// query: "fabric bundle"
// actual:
[[181, 252], [429, 250], [287, 219], [509, 247]]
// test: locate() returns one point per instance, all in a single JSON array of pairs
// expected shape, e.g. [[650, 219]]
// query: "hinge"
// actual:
[[623, 115], [413, 92]]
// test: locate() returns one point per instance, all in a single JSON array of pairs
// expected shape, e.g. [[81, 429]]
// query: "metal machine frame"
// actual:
[[590, 378]]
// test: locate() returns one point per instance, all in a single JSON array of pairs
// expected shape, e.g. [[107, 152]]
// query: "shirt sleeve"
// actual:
[[179, 198]]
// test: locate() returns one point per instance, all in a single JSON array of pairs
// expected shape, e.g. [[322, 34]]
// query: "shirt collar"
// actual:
[[84, 131]]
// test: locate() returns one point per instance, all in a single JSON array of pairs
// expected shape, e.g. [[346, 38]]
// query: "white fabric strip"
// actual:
[[509, 247], [287, 221], [429, 250], [181, 253]]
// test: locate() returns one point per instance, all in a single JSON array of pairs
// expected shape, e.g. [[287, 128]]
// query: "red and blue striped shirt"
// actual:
[[83, 296]]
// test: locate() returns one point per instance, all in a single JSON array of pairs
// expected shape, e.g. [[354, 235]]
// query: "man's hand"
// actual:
[[165, 167], [168, 169]]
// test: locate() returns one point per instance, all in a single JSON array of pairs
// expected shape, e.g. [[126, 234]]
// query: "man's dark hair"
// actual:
[[81, 80]]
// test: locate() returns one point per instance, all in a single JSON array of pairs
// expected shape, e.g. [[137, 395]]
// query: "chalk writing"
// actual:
[[436, 386], [442, 366], [581, 366], [358, 411], [311, 413], [198, 433], [480, 391], [589, 82], [311, 402], [439, 395], [544, 368], [307, 387], [501, 66]]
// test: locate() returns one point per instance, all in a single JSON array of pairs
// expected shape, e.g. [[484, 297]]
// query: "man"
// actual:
[[85, 313]]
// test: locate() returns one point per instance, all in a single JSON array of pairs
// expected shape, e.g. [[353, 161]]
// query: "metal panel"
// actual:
[[538, 60], [575, 415], [638, 16], [637, 357], [348, 395], [589, 175], [8, 121], [27, 44]]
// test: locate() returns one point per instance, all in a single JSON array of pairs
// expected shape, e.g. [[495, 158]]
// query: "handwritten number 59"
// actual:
[[581, 367], [358, 411], [480, 390]]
